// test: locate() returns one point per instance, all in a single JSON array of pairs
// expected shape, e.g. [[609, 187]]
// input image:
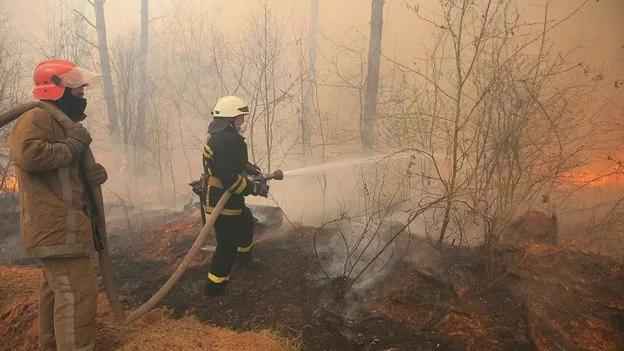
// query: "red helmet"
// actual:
[[51, 77]]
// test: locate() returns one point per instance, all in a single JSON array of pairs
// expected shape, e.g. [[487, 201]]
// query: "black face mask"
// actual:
[[73, 106]]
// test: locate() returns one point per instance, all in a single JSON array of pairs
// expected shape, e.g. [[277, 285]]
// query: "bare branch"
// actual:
[[92, 44], [84, 18], [428, 79]]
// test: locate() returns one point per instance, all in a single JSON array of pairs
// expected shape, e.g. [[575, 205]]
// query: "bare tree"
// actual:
[[367, 128], [65, 34], [308, 88], [198, 74], [348, 66], [269, 86], [105, 66], [125, 66], [11, 68], [142, 72], [492, 116]]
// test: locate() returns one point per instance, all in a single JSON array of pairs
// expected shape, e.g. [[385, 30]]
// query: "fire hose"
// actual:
[[173, 279]]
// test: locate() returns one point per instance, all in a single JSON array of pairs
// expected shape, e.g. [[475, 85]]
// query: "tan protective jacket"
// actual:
[[54, 221]]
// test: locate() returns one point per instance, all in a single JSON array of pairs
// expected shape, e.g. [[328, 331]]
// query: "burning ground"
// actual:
[[535, 297]]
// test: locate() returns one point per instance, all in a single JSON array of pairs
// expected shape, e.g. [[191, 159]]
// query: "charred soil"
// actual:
[[535, 297]]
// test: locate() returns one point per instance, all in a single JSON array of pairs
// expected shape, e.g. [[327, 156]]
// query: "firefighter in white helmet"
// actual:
[[226, 166]]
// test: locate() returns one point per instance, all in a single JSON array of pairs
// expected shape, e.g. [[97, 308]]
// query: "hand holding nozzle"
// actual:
[[260, 186], [252, 169]]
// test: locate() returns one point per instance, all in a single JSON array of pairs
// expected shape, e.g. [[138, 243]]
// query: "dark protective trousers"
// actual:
[[234, 239]]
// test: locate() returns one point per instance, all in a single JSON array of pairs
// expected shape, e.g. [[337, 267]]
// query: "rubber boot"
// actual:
[[213, 289]]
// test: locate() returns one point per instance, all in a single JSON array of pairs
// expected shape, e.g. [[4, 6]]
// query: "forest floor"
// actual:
[[534, 297]]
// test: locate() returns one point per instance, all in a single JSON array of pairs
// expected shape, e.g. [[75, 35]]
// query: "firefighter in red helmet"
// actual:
[[55, 227]]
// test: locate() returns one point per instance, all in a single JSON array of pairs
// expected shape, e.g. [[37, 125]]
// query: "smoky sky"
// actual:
[[594, 36]]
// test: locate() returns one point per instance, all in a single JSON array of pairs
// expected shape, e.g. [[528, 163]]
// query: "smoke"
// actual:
[[176, 60], [204, 49]]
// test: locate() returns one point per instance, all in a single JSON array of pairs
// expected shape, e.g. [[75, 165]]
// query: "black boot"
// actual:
[[213, 289]]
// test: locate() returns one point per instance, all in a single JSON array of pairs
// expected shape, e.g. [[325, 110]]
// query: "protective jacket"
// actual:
[[225, 160], [53, 202]]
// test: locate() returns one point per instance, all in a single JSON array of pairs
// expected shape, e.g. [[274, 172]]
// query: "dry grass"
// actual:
[[156, 331]]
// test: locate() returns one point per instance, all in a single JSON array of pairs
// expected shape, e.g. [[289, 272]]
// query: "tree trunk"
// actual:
[[142, 74], [367, 125], [309, 86], [142, 93], [109, 93]]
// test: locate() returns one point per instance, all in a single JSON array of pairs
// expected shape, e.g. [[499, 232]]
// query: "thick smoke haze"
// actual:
[[596, 32], [185, 35]]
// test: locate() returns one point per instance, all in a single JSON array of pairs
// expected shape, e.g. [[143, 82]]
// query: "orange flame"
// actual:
[[9, 185], [593, 178]]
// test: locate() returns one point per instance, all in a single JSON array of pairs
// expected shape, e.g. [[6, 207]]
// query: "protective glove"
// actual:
[[252, 169], [78, 139], [259, 188], [96, 175], [198, 186]]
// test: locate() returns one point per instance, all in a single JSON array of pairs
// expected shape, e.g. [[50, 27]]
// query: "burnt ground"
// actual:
[[282, 291], [537, 297], [534, 297]]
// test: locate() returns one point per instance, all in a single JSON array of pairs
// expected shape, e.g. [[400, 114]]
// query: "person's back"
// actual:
[[229, 157]]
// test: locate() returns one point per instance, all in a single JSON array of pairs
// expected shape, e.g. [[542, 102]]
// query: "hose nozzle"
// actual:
[[276, 175]]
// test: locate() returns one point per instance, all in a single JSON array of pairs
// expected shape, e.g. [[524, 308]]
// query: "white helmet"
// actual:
[[229, 107]]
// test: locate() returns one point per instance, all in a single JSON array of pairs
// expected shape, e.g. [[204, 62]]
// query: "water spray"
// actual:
[[310, 170]]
